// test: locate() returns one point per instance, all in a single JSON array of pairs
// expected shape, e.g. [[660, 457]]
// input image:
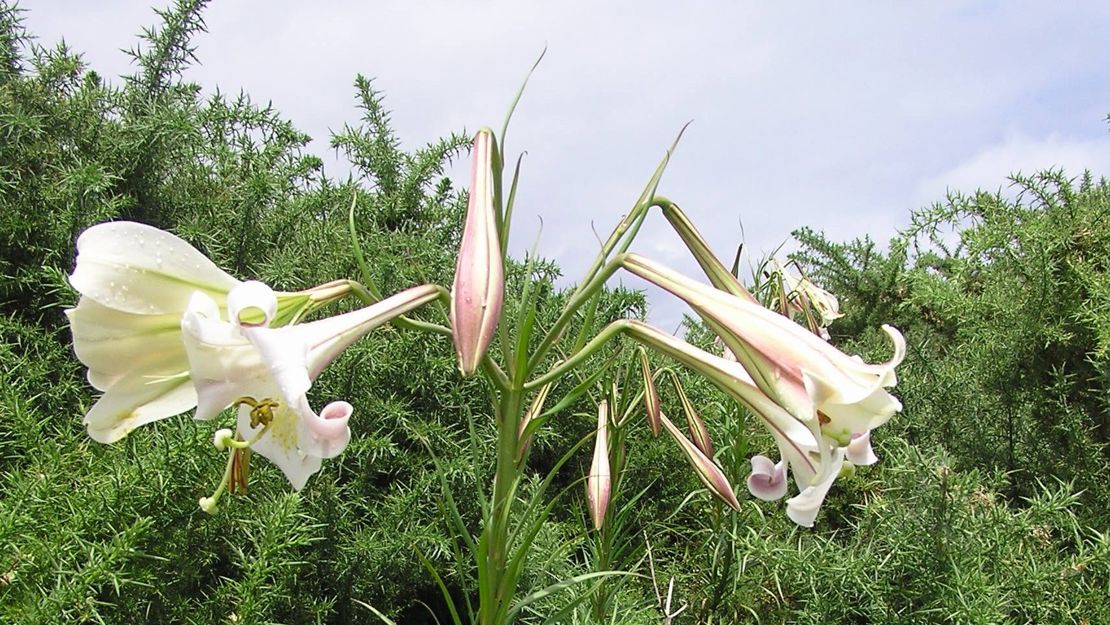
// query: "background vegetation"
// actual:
[[990, 504]]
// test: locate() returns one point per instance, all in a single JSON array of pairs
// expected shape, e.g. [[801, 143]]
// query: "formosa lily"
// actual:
[[800, 295], [813, 458], [804, 374], [479, 288], [599, 482], [267, 371], [135, 283]]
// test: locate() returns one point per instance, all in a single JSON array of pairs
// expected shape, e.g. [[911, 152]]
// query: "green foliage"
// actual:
[[1003, 304], [981, 511]]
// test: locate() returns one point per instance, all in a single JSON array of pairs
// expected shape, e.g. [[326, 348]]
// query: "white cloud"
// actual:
[[989, 168]]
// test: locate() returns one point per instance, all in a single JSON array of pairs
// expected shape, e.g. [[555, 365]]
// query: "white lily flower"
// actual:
[[801, 292], [814, 458], [804, 374], [135, 282], [268, 371]]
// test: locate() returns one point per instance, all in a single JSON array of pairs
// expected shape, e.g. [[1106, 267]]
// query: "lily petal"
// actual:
[[135, 401], [768, 480], [279, 445], [859, 451], [803, 507], [140, 269]]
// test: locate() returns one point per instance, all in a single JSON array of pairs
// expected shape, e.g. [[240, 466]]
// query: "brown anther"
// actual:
[[262, 412]]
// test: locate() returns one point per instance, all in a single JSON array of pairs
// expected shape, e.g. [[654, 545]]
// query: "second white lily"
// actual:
[[268, 371]]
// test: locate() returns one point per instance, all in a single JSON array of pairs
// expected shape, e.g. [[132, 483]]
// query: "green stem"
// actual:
[[505, 480], [580, 297], [608, 332]]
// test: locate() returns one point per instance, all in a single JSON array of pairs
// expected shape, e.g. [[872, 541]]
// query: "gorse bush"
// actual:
[[1006, 320], [989, 506]]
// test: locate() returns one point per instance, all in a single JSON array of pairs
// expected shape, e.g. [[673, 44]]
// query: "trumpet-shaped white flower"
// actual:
[[814, 458], [804, 374], [268, 371], [801, 292], [136, 282]]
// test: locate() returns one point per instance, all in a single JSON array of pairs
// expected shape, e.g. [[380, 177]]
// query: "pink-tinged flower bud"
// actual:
[[698, 432], [479, 287], [599, 482], [708, 472], [651, 395]]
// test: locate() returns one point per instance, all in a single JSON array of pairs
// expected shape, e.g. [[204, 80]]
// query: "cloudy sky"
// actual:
[[840, 116]]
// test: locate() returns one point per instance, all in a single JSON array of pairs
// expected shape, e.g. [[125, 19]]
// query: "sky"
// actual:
[[841, 116]]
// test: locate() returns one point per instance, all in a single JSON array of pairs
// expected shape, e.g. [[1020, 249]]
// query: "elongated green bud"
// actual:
[[698, 432], [708, 472], [651, 395]]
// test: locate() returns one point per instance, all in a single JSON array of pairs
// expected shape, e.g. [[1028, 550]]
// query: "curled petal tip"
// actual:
[[859, 451], [768, 480]]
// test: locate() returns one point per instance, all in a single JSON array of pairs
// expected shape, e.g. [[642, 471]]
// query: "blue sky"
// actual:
[[840, 116]]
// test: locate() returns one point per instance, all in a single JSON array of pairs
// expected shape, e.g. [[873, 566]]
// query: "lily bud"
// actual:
[[479, 287], [651, 396], [698, 432], [708, 472], [599, 482]]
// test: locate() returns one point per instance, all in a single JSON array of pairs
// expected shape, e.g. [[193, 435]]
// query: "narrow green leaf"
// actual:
[[442, 587]]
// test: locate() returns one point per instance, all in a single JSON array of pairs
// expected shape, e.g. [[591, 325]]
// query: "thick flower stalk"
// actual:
[[135, 283], [267, 371], [801, 372], [479, 288]]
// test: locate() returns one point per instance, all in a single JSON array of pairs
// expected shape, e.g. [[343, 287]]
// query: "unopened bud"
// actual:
[[599, 481], [479, 287], [651, 395], [698, 432], [708, 472]]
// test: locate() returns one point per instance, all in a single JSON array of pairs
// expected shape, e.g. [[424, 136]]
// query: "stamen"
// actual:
[[237, 470]]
